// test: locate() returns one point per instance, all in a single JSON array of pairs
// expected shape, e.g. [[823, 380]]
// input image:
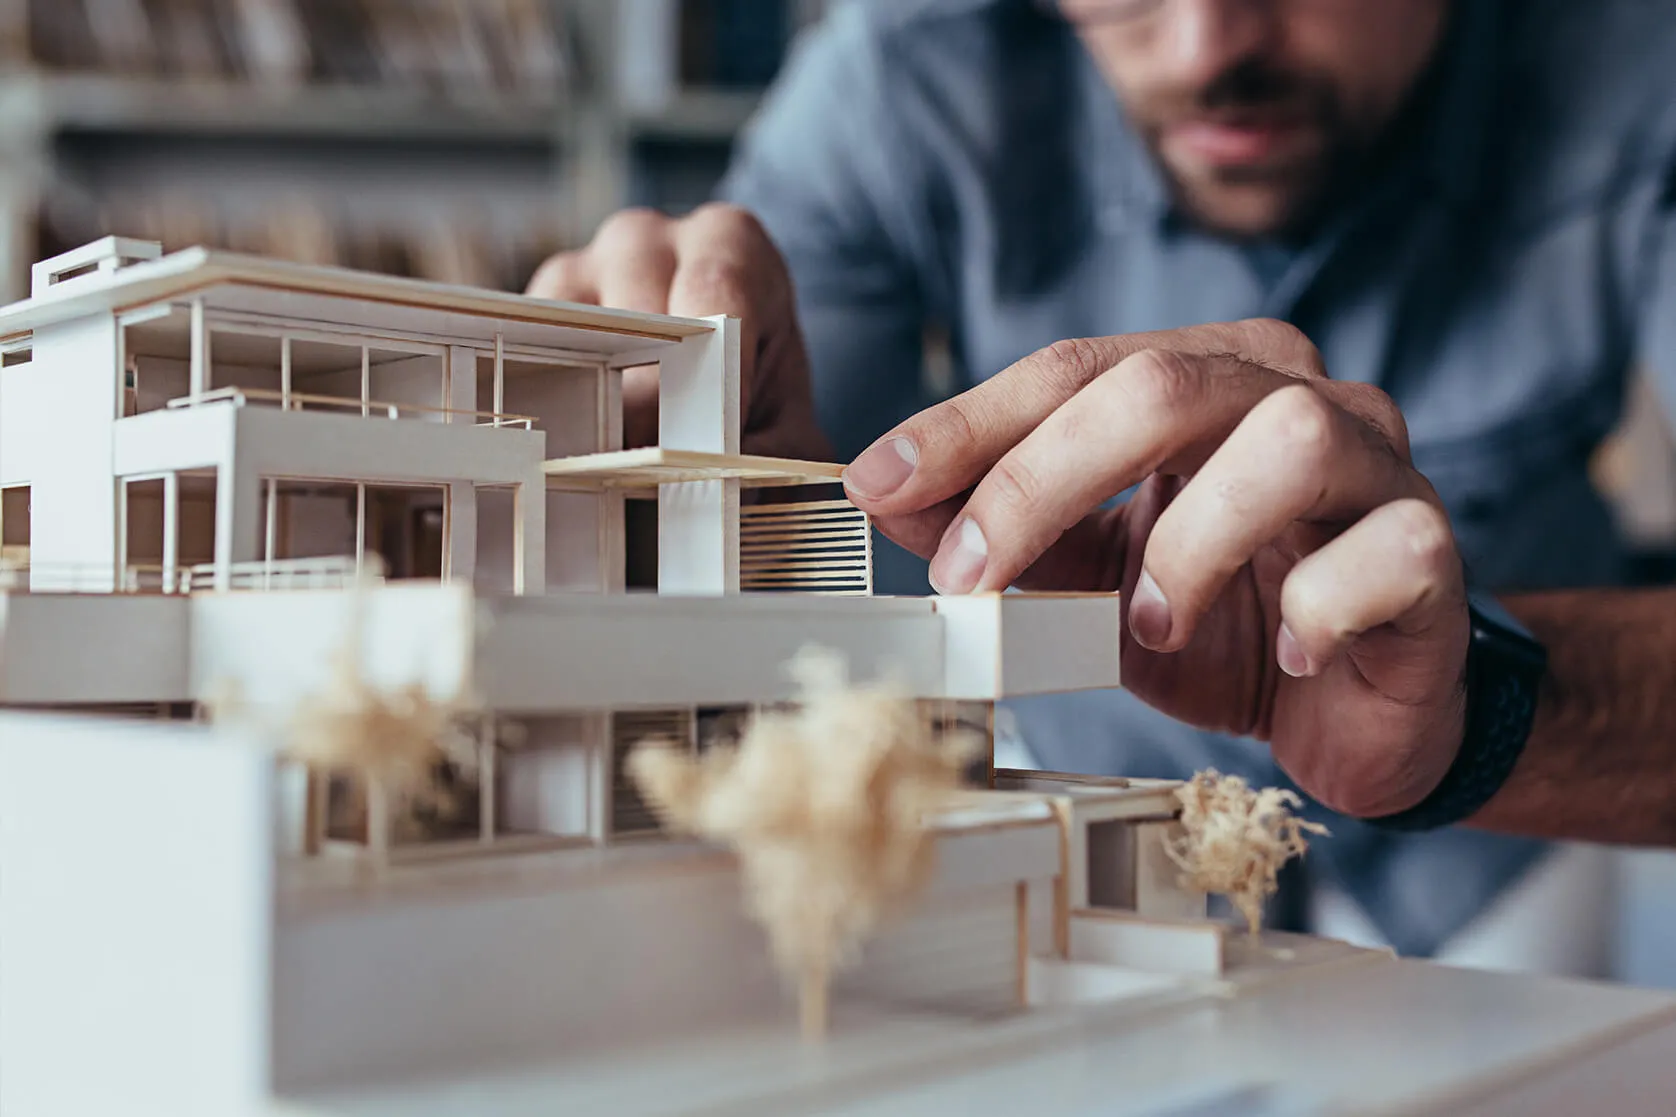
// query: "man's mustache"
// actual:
[[1250, 88]]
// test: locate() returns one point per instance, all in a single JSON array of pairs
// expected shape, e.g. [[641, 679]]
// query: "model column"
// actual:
[[698, 409]]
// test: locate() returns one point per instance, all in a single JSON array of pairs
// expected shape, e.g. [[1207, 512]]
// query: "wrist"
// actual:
[[1504, 670]]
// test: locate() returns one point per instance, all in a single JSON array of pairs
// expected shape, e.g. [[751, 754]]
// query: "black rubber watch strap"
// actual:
[[1504, 676]]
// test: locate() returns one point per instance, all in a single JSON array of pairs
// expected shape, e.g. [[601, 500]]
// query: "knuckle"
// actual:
[[558, 277], [1309, 611], [1425, 530], [1376, 409], [1286, 341], [1304, 423], [1156, 382], [635, 225], [723, 278], [1070, 363], [1014, 484], [951, 428], [1305, 605], [727, 220], [1385, 415]]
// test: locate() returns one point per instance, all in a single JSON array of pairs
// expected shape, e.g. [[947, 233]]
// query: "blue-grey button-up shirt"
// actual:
[[960, 164]]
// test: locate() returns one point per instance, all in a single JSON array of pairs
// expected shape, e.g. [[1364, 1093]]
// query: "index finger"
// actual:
[[945, 449], [1157, 410]]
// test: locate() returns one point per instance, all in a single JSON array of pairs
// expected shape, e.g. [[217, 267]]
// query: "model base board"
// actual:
[[1366, 1036], [628, 979]]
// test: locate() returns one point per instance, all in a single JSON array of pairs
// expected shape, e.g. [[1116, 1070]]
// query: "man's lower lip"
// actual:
[[1227, 144]]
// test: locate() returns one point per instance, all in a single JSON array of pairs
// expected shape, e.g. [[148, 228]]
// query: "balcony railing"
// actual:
[[329, 572], [303, 401]]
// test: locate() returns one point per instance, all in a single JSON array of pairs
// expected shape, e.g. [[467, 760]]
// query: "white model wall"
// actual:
[[412, 380], [405, 634], [66, 446], [415, 380], [162, 379], [564, 401], [455, 978], [546, 775], [574, 546], [136, 885], [24, 394], [637, 651], [622, 948], [1015, 644], [93, 648]]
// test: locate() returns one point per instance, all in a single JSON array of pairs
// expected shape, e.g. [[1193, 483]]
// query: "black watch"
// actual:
[[1505, 666]]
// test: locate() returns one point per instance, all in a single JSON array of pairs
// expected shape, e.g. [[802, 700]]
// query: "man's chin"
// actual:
[[1246, 205]]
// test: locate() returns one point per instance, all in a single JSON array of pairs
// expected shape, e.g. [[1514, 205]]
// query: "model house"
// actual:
[[205, 422], [230, 482]]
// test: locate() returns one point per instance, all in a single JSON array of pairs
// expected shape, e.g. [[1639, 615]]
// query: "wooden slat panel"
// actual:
[[823, 547], [630, 814]]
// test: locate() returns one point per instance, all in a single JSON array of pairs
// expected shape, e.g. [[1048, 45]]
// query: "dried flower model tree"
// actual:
[[1235, 839], [826, 806]]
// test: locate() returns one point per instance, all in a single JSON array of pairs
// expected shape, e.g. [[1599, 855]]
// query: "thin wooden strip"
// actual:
[[793, 534], [799, 506], [803, 554], [806, 554], [805, 592], [807, 561], [844, 537], [815, 536], [804, 580], [790, 523], [809, 564], [847, 517], [749, 515]]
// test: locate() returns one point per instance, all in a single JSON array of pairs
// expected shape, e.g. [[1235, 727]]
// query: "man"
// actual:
[[1466, 204]]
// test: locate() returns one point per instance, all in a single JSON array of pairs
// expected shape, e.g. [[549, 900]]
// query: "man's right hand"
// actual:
[[718, 260], [1287, 573]]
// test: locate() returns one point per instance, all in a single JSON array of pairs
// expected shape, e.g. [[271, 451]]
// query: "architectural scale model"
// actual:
[[267, 525]]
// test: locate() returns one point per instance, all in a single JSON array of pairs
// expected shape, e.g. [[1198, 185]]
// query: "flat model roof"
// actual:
[[306, 293]]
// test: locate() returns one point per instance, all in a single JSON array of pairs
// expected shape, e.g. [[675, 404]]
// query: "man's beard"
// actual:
[[1298, 184]]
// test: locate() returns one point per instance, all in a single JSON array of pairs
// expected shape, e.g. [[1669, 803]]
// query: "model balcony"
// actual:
[[332, 572]]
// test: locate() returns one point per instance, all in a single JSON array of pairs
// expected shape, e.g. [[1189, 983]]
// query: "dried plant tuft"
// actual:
[[1236, 838], [825, 805]]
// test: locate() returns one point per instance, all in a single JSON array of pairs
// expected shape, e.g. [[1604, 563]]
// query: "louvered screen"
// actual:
[[630, 814], [823, 547]]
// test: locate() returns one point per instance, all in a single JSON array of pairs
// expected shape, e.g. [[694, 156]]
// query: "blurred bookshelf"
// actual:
[[459, 140]]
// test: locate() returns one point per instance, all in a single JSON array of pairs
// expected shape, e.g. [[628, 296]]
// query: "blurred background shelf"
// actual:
[[461, 140], [47, 103]]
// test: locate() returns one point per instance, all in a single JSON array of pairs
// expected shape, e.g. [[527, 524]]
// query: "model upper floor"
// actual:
[[116, 329]]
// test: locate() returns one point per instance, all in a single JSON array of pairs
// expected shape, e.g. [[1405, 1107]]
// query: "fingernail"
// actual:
[[960, 561], [882, 468], [1290, 654], [1149, 613]]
